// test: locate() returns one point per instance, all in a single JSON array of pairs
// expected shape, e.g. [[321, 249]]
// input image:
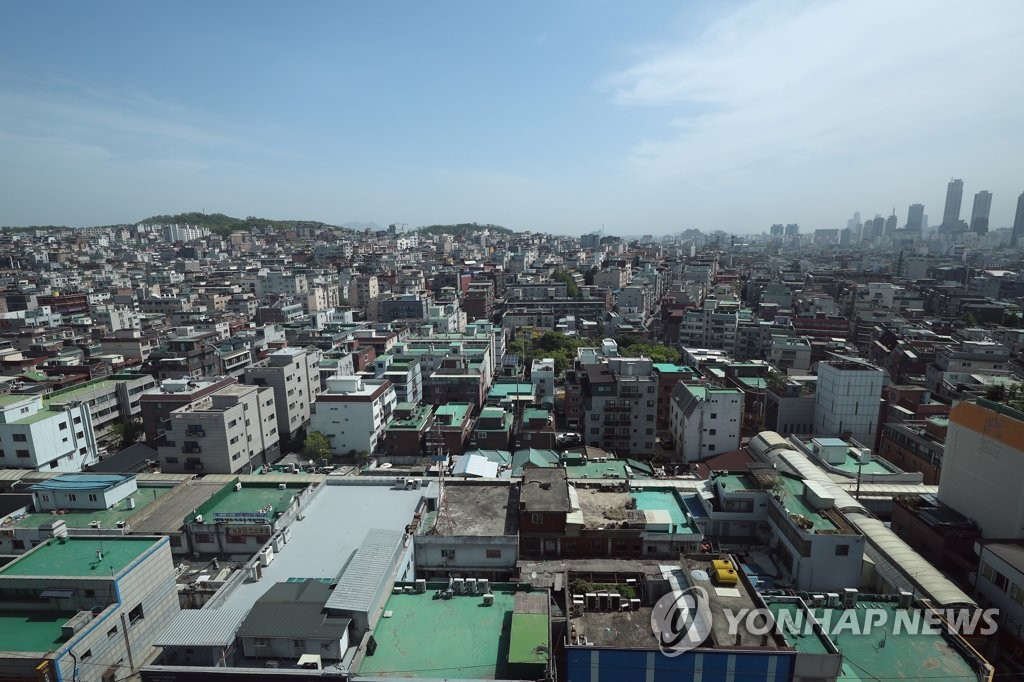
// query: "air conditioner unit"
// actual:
[[238, 486], [488, 599], [849, 598], [905, 599], [199, 518], [817, 601], [421, 585]]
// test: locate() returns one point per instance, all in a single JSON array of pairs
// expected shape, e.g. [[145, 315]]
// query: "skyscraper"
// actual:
[[915, 217], [1018, 222], [890, 223], [979, 213], [954, 195]]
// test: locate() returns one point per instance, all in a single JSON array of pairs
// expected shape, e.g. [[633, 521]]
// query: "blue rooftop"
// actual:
[[81, 482]]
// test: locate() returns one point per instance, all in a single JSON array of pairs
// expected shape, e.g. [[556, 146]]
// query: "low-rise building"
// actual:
[[705, 420], [37, 435], [353, 413]]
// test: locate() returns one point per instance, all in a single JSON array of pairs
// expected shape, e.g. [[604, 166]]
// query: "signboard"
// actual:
[[242, 517], [252, 529]]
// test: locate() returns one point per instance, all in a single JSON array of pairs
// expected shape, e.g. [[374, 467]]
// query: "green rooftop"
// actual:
[[108, 518], [39, 416], [78, 557], [529, 642], [535, 414], [418, 419], [249, 500], [793, 497], [671, 368], [32, 631], [800, 638], [873, 466], [476, 639], [502, 391], [907, 656], [752, 382], [456, 411], [74, 392], [670, 501]]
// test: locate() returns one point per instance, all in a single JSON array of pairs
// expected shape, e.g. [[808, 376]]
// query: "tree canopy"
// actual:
[[317, 447], [463, 228], [567, 279], [126, 433], [635, 346]]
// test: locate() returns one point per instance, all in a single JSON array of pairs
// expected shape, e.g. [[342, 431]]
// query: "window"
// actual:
[[136, 614], [86, 656], [299, 643], [536, 518], [112, 632], [233, 423], [714, 415], [63, 426], [80, 434], [72, 498], [171, 460], [78, 420], [842, 550], [712, 431], [19, 438], [494, 554], [448, 554], [92, 497]]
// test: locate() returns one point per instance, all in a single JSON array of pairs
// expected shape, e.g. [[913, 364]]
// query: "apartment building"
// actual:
[[353, 413], [232, 430], [705, 420], [44, 437], [848, 398], [294, 375], [620, 405]]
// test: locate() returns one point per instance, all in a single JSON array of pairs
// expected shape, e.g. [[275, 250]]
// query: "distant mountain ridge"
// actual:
[[463, 228]]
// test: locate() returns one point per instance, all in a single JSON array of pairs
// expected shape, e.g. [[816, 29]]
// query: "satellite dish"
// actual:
[[534, 575]]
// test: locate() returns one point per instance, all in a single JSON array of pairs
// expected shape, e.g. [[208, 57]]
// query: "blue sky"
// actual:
[[557, 116]]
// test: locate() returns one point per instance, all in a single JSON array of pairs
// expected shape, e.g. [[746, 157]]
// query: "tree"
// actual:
[[996, 393], [362, 459], [635, 346], [589, 275], [127, 432], [775, 381], [570, 282], [317, 448]]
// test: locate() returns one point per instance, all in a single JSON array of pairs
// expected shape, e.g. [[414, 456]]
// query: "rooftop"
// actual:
[[75, 392], [79, 557], [670, 501], [417, 419], [251, 499], [457, 412], [337, 511], [32, 631], [108, 518], [480, 510], [407, 642]]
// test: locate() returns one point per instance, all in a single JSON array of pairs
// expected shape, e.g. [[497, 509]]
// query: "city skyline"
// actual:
[[557, 118]]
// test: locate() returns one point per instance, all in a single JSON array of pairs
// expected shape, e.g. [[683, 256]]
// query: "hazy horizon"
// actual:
[[556, 118]]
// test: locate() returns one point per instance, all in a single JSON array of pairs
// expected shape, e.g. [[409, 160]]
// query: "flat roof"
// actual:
[[408, 641], [251, 499], [108, 518], [32, 631], [81, 482], [804, 640], [670, 501], [908, 655], [456, 410], [67, 394], [529, 642], [78, 557], [337, 512], [479, 510]]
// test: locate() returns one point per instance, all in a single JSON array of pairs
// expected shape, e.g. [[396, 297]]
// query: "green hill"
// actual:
[[463, 228], [221, 224]]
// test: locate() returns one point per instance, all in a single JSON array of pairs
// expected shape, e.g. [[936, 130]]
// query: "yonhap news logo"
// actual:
[[681, 620]]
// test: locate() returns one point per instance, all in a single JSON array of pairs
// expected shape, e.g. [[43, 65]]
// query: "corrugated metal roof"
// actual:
[[202, 627], [903, 566], [361, 578], [293, 611]]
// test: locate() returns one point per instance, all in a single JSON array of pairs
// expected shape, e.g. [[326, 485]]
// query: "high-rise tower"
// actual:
[[979, 213], [954, 195], [915, 217], [1018, 222]]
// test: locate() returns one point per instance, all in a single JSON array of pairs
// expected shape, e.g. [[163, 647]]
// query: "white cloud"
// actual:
[[771, 87]]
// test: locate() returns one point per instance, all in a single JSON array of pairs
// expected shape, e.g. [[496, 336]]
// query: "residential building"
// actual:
[[620, 404], [705, 420], [848, 398], [353, 413], [542, 376], [44, 437], [231, 430], [982, 474], [156, 404], [294, 375]]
